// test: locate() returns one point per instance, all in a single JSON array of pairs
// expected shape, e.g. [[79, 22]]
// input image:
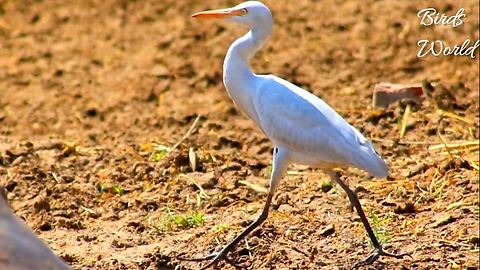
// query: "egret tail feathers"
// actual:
[[369, 160]]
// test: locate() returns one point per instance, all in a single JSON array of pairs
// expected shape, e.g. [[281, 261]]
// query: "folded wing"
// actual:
[[298, 120]]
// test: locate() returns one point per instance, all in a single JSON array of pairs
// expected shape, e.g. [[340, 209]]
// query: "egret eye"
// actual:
[[244, 11]]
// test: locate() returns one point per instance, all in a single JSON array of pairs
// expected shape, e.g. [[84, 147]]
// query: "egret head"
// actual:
[[253, 14]]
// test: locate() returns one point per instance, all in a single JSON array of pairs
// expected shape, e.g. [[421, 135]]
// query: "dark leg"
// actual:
[[356, 203], [222, 254], [280, 163]]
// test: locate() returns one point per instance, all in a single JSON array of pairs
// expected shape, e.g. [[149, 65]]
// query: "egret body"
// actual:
[[302, 127]]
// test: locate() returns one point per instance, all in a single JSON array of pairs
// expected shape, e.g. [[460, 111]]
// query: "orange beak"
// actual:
[[218, 13]]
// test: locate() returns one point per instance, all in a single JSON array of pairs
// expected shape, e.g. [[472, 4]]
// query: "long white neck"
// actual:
[[238, 77]]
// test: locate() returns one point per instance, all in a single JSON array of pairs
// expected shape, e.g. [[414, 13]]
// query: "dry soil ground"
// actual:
[[91, 90]]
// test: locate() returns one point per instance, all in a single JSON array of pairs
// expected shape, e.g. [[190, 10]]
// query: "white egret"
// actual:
[[302, 127]]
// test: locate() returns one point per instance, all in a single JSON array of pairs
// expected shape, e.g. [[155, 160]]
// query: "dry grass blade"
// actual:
[[474, 165], [459, 152], [385, 187], [456, 145], [444, 143], [254, 187], [87, 210], [405, 119], [458, 149], [192, 158], [402, 142], [455, 116], [202, 192], [55, 177], [297, 173], [164, 150], [459, 204], [189, 132]]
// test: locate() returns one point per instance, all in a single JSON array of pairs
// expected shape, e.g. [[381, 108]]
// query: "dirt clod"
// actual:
[[330, 229], [443, 220], [41, 203], [406, 208]]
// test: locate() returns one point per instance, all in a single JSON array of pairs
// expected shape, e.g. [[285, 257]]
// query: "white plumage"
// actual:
[[294, 119], [302, 127], [312, 131]]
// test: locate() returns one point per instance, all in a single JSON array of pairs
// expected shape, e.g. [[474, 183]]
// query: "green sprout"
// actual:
[[327, 186], [159, 152], [174, 221], [102, 188], [118, 189], [381, 232], [268, 171], [223, 228]]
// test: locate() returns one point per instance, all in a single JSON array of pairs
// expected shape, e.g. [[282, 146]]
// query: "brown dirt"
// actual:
[[87, 86], [20, 248]]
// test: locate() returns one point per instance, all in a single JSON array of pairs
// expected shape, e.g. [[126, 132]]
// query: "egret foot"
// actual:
[[216, 257], [376, 254], [279, 166], [352, 196]]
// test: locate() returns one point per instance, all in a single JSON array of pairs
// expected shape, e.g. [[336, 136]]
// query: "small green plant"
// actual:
[[147, 186], [380, 231], [223, 228], [152, 222], [105, 188], [327, 186], [268, 171], [102, 188], [174, 221], [159, 152], [118, 190]]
